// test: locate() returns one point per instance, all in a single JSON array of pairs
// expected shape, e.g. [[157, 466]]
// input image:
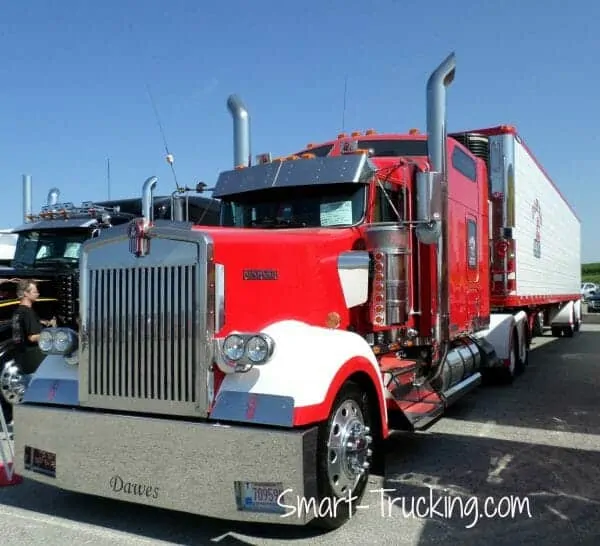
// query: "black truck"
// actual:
[[47, 251]]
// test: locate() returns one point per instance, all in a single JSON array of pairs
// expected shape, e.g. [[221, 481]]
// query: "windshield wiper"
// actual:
[[275, 223], [21, 265], [41, 262]]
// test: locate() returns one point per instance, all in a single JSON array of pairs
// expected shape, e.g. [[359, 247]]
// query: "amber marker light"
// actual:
[[333, 320]]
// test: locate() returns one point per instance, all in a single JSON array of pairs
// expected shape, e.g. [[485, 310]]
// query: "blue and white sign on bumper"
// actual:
[[260, 497]]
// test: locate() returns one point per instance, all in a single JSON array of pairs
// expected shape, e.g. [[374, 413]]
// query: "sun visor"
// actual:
[[355, 168]]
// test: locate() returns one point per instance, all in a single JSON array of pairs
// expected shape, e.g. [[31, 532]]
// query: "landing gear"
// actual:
[[344, 456]]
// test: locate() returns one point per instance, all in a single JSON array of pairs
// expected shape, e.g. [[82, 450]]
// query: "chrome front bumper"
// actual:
[[199, 468]]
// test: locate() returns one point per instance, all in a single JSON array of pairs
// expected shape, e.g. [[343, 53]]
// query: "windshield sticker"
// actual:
[[337, 213]]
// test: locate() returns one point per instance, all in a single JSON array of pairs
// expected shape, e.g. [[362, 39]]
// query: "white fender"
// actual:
[[304, 364], [565, 316], [499, 333]]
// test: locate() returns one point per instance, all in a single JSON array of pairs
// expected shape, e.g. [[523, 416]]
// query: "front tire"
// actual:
[[344, 457]]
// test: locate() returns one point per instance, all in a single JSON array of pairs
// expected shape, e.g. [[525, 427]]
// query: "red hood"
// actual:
[[307, 285]]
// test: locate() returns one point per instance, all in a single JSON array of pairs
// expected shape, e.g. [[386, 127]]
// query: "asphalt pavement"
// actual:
[[505, 466]]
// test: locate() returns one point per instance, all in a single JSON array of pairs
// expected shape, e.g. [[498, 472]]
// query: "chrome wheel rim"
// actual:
[[13, 383], [347, 448]]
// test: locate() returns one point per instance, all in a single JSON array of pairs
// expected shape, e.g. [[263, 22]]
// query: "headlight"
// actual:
[[243, 351], [46, 341], [58, 341], [62, 341], [258, 349], [233, 347]]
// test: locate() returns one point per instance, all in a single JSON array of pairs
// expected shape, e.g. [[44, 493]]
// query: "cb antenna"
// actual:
[[170, 159], [344, 104], [169, 156], [108, 176]]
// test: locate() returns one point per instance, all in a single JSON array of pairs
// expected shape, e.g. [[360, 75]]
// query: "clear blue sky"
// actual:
[[74, 75]]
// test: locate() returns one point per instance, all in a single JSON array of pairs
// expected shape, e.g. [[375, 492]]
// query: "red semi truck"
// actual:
[[358, 287]]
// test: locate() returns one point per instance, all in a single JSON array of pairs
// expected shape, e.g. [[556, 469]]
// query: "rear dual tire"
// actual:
[[566, 331], [518, 358]]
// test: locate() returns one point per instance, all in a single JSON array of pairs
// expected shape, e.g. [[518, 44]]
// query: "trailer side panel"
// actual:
[[547, 232]]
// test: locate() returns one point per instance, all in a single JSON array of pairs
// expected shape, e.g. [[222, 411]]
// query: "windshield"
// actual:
[[49, 248], [7, 246], [299, 206]]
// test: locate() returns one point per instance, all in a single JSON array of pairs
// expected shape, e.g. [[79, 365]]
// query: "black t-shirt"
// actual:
[[24, 324]]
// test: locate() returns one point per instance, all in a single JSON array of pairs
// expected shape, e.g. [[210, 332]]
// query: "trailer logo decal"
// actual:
[[536, 216], [119, 485]]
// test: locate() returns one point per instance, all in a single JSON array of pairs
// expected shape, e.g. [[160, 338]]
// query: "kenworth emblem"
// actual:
[[139, 242]]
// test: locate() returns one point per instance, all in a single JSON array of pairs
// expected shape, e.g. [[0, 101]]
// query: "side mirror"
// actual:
[[429, 206], [429, 197]]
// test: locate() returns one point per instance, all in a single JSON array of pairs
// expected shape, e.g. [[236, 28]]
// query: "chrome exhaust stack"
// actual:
[[241, 132], [177, 212], [27, 207], [147, 199], [53, 196], [432, 194]]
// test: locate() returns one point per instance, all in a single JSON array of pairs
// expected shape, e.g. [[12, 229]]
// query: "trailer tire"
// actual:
[[563, 331], [538, 325], [343, 472]]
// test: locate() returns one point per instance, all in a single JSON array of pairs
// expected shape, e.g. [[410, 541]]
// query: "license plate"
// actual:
[[260, 497], [40, 461]]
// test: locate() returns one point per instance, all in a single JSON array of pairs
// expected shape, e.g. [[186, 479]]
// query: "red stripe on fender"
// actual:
[[316, 413]]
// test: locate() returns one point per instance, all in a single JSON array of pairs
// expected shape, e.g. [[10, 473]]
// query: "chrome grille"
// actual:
[[147, 323], [142, 333]]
